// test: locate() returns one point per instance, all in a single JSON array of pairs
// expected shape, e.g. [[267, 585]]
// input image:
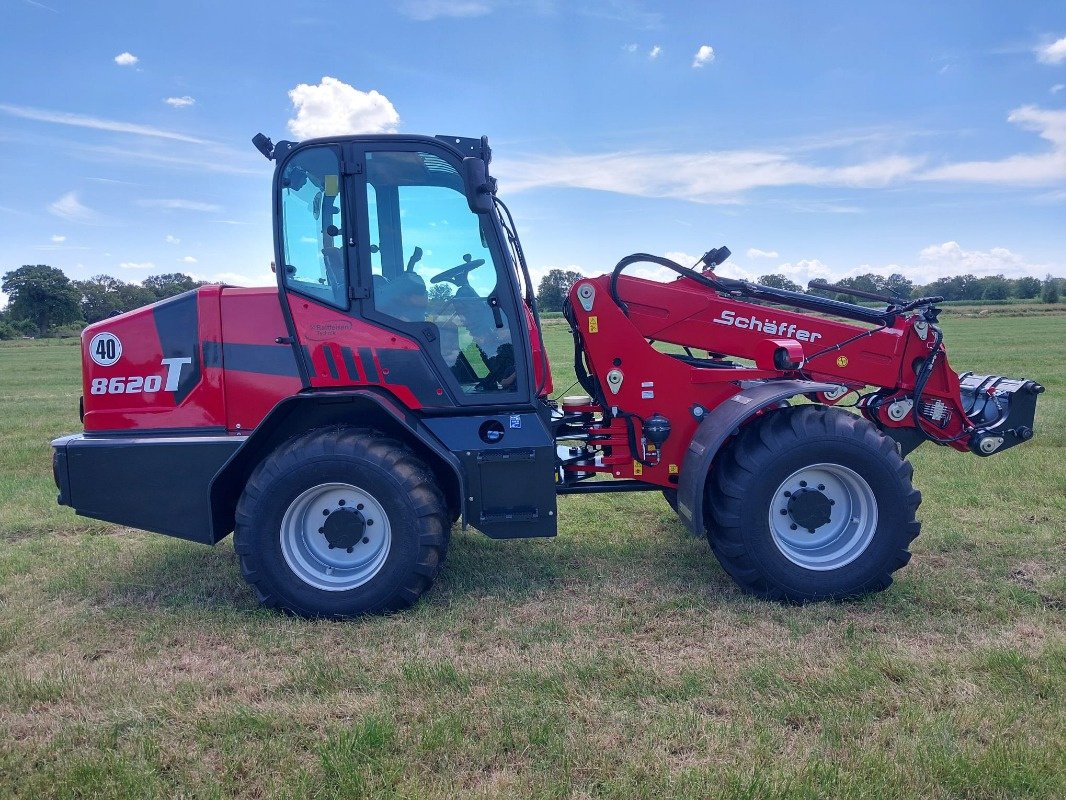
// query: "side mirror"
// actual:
[[479, 186]]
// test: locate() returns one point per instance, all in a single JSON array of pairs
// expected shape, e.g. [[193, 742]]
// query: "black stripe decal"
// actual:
[[212, 354], [327, 351], [409, 368], [367, 357], [307, 360], [261, 359], [349, 364], [177, 323]]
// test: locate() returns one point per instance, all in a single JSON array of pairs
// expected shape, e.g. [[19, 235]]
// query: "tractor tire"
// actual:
[[341, 522], [809, 504], [670, 496]]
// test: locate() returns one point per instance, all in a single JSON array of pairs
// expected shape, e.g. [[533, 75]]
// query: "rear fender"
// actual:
[[720, 423], [301, 413]]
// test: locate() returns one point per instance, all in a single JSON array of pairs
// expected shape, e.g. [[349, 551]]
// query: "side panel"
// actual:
[[156, 377], [259, 372], [342, 351], [509, 461], [157, 484]]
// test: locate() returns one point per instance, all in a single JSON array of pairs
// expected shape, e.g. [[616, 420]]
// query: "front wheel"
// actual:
[[810, 503], [341, 522]]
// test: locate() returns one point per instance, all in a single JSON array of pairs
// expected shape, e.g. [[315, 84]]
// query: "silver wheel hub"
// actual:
[[823, 516], [335, 536]]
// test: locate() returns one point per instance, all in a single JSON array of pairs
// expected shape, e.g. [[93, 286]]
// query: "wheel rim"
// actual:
[[335, 536], [823, 517]]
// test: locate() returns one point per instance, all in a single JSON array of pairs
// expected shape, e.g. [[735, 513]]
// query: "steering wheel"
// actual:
[[458, 275]]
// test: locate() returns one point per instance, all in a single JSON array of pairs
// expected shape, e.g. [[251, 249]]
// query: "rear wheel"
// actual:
[[341, 522], [811, 503]]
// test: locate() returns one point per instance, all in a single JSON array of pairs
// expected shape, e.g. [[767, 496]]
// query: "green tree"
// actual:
[[898, 286], [100, 297], [778, 281], [996, 287], [554, 287], [1026, 288], [1050, 292], [43, 295], [170, 284]]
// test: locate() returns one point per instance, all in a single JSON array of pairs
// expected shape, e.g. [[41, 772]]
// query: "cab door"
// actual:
[[392, 281]]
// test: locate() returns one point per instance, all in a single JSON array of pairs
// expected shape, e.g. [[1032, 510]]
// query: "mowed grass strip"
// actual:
[[617, 660]]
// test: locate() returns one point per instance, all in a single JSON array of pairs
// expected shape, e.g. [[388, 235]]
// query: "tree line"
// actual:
[[553, 287], [43, 301]]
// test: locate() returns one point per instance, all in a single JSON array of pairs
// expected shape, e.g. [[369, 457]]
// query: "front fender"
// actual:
[[717, 426]]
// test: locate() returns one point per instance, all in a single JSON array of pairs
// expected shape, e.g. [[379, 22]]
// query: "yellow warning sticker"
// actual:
[[638, 468], [331, 186], [842, 361], [673, 469], [594, 324]]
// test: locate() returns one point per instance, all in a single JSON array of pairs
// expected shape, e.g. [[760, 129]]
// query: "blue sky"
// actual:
[[818, 140]]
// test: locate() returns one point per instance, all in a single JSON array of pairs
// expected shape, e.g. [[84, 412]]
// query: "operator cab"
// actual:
[[393, 228]]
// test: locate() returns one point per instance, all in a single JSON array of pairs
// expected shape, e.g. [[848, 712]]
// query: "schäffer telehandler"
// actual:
[[396, 382]]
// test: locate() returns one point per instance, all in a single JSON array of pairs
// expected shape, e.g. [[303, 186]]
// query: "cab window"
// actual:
[[311, 222], [430, 263]]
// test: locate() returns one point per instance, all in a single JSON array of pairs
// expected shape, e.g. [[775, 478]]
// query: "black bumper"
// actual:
[[156, 483]]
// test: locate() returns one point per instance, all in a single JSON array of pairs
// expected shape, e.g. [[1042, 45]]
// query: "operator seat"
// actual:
[[404, 297]]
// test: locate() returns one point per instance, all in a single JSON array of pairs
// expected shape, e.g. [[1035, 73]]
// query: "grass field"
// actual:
[[617, 660]]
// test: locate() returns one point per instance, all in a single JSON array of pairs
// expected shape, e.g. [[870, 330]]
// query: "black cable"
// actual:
[[511, 232], [844, 343]]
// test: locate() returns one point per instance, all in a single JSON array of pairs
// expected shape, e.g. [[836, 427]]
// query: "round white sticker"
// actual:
[[105, 349]]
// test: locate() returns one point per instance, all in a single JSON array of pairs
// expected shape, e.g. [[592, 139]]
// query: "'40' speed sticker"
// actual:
[[105, 349]]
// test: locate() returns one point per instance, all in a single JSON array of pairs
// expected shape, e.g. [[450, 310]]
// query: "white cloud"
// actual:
[[179, 205], [632, 47], [137, 265], [171, 239], [333, 107], [265, 278], [425, 10], [655, 52], [710, 177], [1039, 168], [754, 252], [949, 258], [126, 59], [82, 121], [58, 238], [1054, 53], [68, 207], [188, 260], [1058, 87], [704, 55], [180, 102]]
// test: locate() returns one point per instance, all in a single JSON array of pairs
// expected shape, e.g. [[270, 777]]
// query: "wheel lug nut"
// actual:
[[370, 522], [821, 487], [366, 540], [321, 530], [340, 502], [788, 494], [792, 527], [784, 512], [359, 507], [350, 549], [803, 483], [325, 512], [331, 547]]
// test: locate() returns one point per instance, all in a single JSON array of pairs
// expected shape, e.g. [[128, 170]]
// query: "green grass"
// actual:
[[617, 660]]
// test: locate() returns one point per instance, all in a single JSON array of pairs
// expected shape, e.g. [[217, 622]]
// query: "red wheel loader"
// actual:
[[395, 382]]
